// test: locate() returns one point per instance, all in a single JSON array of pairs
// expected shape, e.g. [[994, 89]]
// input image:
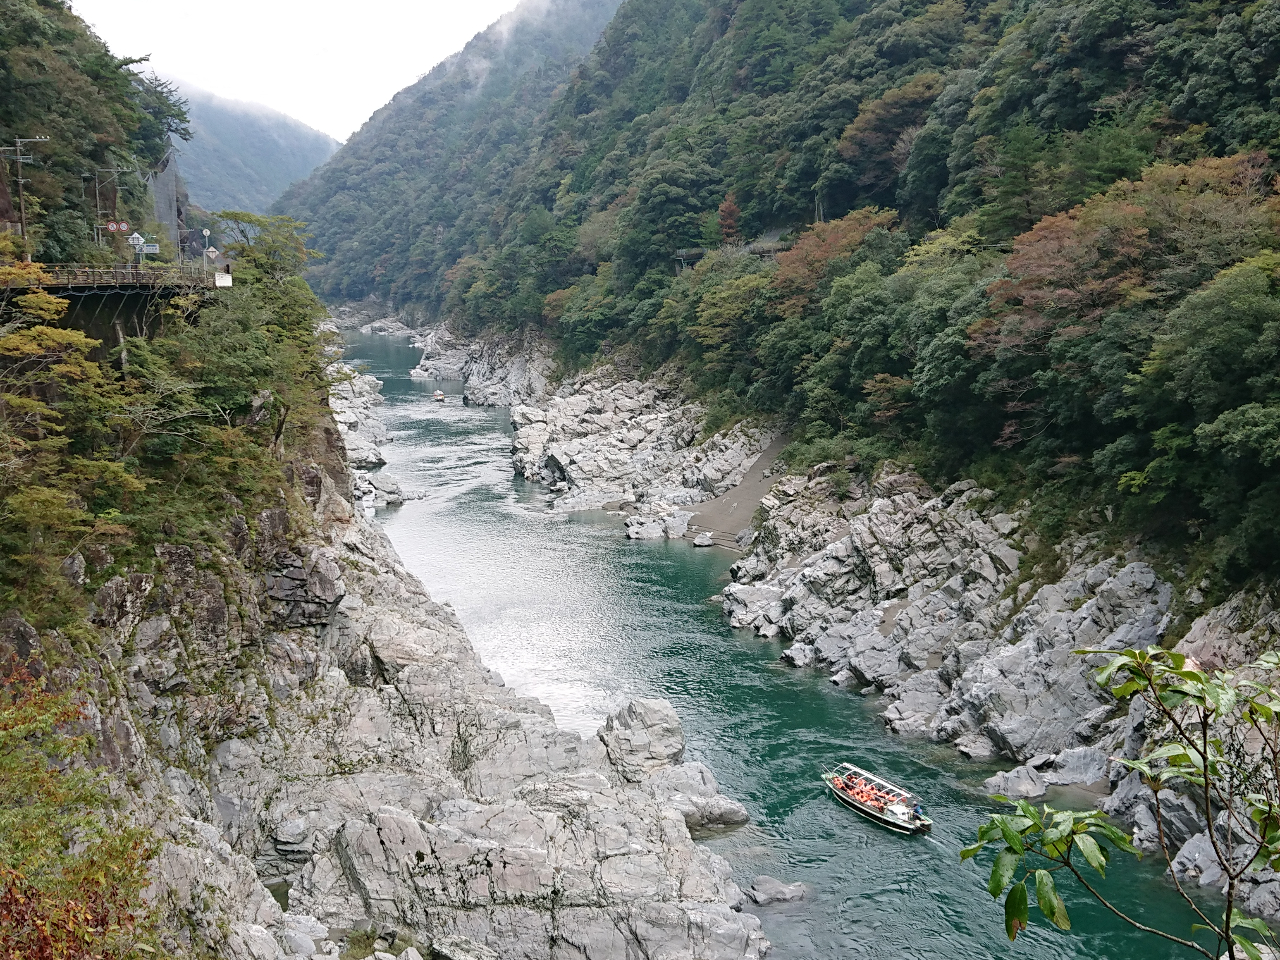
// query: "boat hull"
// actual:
[[883, 802], [876, 817]]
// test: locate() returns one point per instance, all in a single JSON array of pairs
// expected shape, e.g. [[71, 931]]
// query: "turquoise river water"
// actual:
[[568, 610]]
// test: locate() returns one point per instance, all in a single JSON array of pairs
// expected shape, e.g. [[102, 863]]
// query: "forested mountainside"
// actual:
[[116, 460], [1046, 253], [411, 191], [242, 156], [58, 80]]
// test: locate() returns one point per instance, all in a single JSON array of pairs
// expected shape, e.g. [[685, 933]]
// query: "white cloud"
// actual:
[[328, 64]]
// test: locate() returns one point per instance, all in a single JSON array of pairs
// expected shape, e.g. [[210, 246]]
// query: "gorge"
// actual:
[[891, 381], [582, 618]]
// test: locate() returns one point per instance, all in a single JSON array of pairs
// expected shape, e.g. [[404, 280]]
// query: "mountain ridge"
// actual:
[[445, 143], [242, 155]]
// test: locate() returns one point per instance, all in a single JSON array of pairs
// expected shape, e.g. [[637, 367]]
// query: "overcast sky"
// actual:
[[329, 64]]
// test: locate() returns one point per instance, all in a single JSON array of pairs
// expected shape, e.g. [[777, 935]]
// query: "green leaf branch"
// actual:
[[1217, 739]]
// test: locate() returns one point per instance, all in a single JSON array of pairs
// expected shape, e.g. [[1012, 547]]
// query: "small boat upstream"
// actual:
[[438, 396], [877, 799]]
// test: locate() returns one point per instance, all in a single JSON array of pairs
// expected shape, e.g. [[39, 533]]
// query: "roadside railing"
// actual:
[[158, 276]]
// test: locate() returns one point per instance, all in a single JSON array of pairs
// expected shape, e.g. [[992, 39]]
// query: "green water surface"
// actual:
[[567, 610]]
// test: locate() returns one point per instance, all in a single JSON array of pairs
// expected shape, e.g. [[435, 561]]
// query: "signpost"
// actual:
[[151, 248]]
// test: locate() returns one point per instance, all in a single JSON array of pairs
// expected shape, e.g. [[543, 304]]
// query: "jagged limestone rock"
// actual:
[[497, 371], [347, 743], [642, 737], [765, 890], [614, 440], [906, 590]]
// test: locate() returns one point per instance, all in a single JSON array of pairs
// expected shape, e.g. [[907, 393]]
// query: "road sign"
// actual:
[[124, 226], [112, 226], [151, 248], [137, 239], [211, 252], [222, 279]]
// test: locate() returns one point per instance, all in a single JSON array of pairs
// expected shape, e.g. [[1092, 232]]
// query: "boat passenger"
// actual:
[[918, 812]]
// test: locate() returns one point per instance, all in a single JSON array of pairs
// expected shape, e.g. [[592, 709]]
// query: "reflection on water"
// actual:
[[569, 611]]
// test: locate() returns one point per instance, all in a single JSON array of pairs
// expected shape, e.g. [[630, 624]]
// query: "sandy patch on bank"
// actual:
[[727, 515]]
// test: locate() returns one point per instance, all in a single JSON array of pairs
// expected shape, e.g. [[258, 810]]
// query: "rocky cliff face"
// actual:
[[498, 372], [917, 595], [925, 599], [297, 712], [606, 439]]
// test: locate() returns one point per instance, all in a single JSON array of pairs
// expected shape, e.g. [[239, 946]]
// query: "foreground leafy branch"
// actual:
[[1219, 740]]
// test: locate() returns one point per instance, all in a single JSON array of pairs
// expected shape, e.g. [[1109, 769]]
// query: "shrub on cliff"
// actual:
[[72, 873]]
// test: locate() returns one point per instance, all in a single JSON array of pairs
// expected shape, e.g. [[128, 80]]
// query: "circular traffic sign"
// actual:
[[112, 226], [124, 225]]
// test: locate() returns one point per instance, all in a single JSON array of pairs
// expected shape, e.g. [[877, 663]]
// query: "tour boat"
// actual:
[[438, 396], [876, 799]]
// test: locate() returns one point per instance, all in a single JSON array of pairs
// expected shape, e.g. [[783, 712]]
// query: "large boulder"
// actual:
[[642, 737], [691, 789], [1134, 804], [1080, 766], [765, 890], [1020, 783]]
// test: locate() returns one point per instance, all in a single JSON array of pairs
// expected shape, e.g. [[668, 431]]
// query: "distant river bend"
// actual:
[[569, 611]]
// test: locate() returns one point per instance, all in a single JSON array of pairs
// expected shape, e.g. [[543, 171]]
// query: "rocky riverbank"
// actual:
[[927, 601], [606, 440], [302, 717], [936, 603], [497, 372]]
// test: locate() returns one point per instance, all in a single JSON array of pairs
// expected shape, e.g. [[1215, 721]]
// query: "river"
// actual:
[[569, 611]]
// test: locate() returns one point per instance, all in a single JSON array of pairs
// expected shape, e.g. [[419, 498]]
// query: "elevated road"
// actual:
[[79, 279]]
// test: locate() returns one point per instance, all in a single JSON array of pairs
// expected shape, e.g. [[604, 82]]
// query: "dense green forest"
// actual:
[[1029, 241], [242, 156], [414, 188], [58, 80]]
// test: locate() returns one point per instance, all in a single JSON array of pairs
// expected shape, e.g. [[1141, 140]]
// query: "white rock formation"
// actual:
[[354, 398], [604, 440], [498, 371], [917, 595], [301, 712], [765, 890]]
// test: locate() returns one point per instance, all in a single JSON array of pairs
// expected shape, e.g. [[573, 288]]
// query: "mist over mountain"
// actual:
[[242, 156], [423, 175]]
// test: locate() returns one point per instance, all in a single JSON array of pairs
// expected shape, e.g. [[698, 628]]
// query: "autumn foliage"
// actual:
[[1131, 250], [71, 876], [803, 268]]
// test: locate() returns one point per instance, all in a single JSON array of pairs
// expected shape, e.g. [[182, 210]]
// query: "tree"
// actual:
[[163, 114], [275, 247], [1218, 736], [728, 218], [879, 140], [803, 268]]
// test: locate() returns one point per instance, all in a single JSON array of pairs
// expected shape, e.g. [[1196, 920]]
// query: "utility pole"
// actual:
[[22, 199]]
